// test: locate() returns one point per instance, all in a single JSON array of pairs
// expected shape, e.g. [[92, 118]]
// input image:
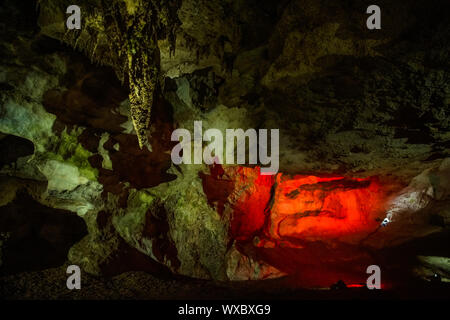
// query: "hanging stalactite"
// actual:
[[131, 30], [137, 25]]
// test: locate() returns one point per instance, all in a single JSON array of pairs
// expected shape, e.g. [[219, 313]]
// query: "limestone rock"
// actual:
[[353, 105]]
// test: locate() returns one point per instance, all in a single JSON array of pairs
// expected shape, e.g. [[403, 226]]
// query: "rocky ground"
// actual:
[[50, 284]]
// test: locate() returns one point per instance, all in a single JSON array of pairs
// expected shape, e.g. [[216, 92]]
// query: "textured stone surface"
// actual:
[[348, 103], [432, 266]]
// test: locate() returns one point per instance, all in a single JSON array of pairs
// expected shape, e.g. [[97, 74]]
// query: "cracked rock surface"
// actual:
[[76, 131]]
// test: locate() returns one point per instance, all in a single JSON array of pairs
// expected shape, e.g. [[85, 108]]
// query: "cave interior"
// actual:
[[87, 177]]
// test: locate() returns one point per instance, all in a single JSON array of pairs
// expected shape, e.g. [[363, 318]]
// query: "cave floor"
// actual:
[[50, 284]]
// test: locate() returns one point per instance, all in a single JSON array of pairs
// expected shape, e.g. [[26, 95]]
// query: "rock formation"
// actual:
[[363, 118]]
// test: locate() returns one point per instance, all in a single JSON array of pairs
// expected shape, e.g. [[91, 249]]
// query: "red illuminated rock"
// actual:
[[314, 208], [306, 208]]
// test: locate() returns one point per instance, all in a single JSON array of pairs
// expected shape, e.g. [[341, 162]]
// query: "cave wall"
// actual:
[[347, 101]]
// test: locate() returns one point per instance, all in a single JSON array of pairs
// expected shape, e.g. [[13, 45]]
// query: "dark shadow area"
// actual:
[[12, 148], [36, 237]]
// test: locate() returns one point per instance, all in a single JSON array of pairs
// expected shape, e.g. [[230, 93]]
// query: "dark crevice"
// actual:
[[36, 237]]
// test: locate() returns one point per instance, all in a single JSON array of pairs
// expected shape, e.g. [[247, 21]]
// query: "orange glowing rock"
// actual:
[[287, 210], [315, 208]]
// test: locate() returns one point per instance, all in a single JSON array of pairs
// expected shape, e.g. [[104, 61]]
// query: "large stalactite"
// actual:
[[130, 30]]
